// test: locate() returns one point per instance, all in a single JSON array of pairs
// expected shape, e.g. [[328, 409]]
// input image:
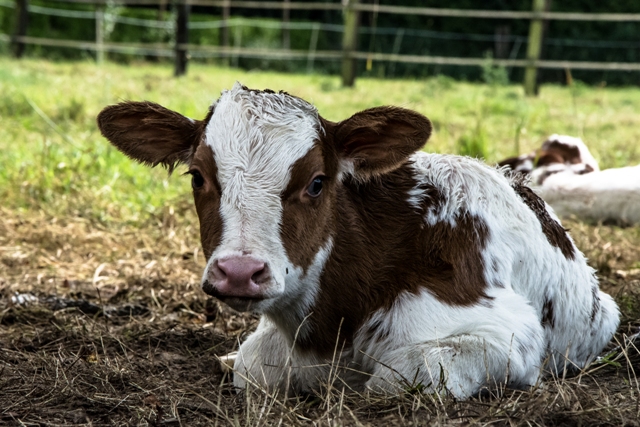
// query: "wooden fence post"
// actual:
[[100, 33], [313, 46], [22, 21], [349, 42], [533, 50], [286, 18], [396, 50], [182, 37], [224, 29]]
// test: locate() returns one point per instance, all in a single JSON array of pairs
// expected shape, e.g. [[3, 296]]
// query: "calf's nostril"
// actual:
[[260, 274], [219, 270]]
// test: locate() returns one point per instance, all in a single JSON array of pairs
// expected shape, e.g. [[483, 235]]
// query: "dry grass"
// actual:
[[120, 334]]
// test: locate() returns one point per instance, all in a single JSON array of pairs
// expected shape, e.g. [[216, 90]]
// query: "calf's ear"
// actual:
[[150, 133], [378, 140]]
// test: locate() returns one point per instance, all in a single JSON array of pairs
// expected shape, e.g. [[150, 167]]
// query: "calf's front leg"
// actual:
[[263, 360]]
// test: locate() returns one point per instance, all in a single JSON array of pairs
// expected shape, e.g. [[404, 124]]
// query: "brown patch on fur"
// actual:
[[554, 232], [514, 162], [382, 248], [207, 199], [546, 158], [150, 133], [587, 169], [567, 153], [431, 198], [548, 319], [307, 222]]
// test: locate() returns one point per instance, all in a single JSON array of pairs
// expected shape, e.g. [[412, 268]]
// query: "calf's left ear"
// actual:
[[149, 133], [378, 140]]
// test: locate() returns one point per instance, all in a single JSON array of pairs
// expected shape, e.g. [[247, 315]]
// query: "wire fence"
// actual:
[[400, 35], [310, 26]]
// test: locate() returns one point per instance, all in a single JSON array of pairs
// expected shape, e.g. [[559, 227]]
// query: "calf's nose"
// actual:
[[241, 270], [237, 276]]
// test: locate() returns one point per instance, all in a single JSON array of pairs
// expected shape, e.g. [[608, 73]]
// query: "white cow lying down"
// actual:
[[368, 259], [611, 195], [565, 174]]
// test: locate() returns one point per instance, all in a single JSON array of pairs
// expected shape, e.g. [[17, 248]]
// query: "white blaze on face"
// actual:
[[256, 137]]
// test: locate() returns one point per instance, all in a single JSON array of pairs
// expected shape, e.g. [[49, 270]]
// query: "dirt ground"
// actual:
[[106, 325]]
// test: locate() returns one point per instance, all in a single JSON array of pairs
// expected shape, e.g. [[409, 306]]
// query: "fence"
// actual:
[[348, 55]]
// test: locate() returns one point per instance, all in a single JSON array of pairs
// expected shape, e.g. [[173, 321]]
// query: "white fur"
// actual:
[[611, 194], [468, 345]]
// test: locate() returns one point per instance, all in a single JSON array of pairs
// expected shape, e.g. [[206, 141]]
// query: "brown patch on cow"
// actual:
[[207, 199], [548, 318], [150, 133], [567, 153], [382, 248], [554, 232], [307, 222], [587, 169], [513, 162], [546, 158], [431, 198]]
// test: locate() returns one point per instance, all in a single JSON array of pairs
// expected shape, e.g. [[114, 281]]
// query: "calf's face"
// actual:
[[266, 170]]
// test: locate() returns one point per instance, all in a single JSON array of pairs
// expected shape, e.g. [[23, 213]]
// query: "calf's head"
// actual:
[[266, 171]]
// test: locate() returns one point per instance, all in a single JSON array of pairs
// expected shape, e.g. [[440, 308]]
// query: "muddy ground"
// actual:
[[106, 325]]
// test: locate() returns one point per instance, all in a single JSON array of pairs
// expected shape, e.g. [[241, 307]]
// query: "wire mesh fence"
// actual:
[[381, 43]]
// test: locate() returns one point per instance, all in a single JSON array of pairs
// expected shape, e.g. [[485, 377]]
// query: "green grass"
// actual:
[[52, 156]]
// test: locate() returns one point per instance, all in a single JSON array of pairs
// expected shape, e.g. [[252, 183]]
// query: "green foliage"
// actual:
[[474, 143], [493, 75], [460, 37], [608, 359], [52, 156]]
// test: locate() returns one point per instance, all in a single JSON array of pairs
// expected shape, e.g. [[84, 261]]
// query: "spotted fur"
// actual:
[[406, 269]]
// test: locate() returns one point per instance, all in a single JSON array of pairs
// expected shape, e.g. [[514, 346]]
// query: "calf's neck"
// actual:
[[374, 265]]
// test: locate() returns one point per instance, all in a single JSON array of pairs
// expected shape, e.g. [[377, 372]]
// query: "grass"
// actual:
[[52, 156], [116, 330]]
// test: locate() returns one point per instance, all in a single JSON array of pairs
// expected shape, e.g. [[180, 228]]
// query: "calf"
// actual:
[[372, 264], [565, 174], [559, 153], [609, 196]]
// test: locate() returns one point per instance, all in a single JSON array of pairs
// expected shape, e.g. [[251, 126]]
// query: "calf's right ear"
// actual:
[[150, 133]]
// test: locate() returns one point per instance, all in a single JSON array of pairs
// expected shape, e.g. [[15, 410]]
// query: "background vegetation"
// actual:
[[440, 36], [53, 157]]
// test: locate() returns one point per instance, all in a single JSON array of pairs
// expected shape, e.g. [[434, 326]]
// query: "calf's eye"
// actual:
[[197, 180], [315, 188]]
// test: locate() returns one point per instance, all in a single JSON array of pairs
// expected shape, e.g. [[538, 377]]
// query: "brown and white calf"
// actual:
[[559, 153], [387, 266], [564, 173]]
